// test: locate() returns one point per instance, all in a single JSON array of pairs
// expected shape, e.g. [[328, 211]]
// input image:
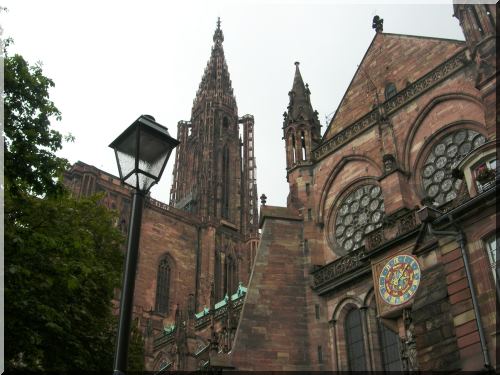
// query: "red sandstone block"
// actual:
[[454, 265], [458, 286], [468, 340], [452, 255], [470, 350], [455, 276], [460, 296], [466, 328], [461, 307]]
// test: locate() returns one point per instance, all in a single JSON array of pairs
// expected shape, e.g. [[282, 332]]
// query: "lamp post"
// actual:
[[142, 152]]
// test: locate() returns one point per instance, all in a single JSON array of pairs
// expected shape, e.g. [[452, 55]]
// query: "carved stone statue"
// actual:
[[389, 163], [409, 344]]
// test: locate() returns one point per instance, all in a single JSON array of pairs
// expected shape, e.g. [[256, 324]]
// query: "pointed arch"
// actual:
[[333, 175], [369, 297], [345, 304], [421, 117], [339, 315], [419, 165], [164, 278]]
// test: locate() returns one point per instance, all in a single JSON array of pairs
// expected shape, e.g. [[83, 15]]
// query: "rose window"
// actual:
[[437, 180], [359, 213]]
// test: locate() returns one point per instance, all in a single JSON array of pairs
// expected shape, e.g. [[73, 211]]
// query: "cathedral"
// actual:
[[384, 258]]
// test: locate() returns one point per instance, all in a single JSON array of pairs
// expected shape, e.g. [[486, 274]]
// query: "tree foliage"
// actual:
[[29, 142], [62, 261], [62, 255]]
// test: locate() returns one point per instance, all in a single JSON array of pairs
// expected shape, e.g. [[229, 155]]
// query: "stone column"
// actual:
[[333, 335], [366, 341]]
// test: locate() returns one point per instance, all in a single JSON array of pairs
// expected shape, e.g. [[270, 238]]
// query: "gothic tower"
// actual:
[[214, 176], [209, 168], [301, 130]]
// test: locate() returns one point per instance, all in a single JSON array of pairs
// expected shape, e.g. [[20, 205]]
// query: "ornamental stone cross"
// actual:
[[263, 199]]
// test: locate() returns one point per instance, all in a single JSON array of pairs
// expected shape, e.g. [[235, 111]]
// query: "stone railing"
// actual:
[[393, 227], [219, 313], [164, 207], [167, 336], [339, 267], [391, 105]]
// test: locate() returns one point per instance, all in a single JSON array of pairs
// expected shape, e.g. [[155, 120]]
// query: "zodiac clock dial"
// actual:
[[399, 279]]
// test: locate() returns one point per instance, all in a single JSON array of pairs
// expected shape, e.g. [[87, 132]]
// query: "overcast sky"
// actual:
[[112, 61]]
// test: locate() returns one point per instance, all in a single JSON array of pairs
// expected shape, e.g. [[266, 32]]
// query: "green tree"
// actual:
[[62, 255], [62, 262], [29, 142]]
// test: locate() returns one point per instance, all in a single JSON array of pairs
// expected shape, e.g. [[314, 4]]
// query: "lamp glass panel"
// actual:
[[132, 180], [153, 154], [126, 152]]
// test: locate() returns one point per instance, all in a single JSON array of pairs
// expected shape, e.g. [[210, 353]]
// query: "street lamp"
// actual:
[[142, 152]]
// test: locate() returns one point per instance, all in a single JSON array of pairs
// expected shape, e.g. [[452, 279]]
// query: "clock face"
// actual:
[[399, 279]]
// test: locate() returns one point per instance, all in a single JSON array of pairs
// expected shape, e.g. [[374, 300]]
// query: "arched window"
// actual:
[[354, 341], [390, 346], [303, 144], [225, 182], [293, 149], [359, 213], [437, 180], [390, 90], [163, 286]]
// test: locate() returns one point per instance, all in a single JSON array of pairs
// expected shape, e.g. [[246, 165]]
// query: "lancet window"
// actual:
[[163, 285]]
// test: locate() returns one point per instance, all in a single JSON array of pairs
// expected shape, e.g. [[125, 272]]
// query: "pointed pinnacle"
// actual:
[[218, 35]]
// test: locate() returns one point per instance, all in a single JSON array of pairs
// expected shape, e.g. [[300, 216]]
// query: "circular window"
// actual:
[[437, 181], [359, 213]]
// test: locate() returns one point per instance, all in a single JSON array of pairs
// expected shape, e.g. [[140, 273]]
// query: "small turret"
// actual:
[[301, 127], [478, 22]]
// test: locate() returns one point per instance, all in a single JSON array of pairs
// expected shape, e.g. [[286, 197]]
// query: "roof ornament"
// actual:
[[263, 199], [218, 35], [378, 24]]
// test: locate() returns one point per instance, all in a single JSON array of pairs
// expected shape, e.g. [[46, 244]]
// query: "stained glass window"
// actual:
[[354, 341], [359, 213], [437, 180]]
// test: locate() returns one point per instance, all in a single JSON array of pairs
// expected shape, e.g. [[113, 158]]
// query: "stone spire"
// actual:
[[216, 84], [299, 107], [301, 127]]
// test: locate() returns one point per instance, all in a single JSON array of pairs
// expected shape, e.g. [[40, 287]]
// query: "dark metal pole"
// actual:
[[128, 284]]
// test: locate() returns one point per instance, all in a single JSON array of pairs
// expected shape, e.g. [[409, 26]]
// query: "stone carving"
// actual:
[[339, 267], [398, 224], [404, 96], [408, 344], [389, 163]]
